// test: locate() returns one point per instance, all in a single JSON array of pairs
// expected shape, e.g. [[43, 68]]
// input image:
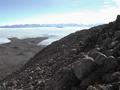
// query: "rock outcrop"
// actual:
[[85, 60]]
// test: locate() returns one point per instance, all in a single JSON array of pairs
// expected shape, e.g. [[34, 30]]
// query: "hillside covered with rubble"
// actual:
[[85, 60]]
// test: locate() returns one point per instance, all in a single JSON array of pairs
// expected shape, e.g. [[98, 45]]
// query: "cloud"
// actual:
[[104, 15], [82, 17], [107, 4], [117, 3]]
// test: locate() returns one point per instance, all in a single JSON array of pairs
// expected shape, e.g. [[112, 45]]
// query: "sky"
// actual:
[[58, 11]]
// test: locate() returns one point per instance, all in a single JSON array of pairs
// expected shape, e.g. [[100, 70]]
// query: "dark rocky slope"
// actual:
[[15, 54], [85, 60]]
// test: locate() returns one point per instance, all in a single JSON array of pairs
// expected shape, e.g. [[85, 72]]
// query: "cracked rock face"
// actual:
[[85, 60]]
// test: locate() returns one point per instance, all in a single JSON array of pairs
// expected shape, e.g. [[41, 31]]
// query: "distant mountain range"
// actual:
[[47, 25]]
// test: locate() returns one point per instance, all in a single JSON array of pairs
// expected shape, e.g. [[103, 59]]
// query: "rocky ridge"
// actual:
[[85, 60]]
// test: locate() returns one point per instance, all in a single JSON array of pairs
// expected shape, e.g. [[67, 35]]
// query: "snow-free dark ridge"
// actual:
[[85, 60]]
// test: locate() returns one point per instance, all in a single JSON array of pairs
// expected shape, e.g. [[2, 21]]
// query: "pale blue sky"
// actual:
[[56, 11]]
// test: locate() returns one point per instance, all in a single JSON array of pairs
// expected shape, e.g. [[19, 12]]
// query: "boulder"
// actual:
[[109, 66], [64, 79], [100, 87], [116, 50], [72, 74], [106, 43], [98, 57], [117, 35], [93, 53], [103, 87], [83, 67], [92, 88], [113, 44], [116, 74], [111, 77], [109, 52]]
